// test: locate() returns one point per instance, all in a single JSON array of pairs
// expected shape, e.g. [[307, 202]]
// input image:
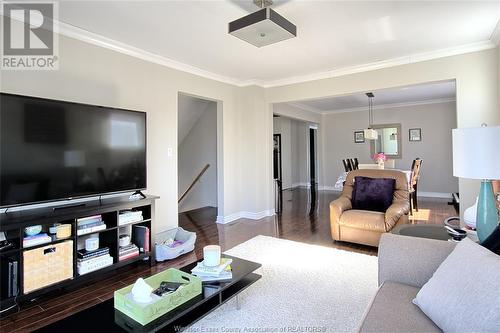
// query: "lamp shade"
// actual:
[[371, 134], [476, 152]]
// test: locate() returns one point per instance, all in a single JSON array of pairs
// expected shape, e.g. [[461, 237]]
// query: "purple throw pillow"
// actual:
[[373, 194]]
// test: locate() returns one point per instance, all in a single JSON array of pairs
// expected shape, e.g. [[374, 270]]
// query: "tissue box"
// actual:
[[145, 313]]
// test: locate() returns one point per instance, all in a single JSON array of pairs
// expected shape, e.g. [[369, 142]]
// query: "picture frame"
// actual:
[[415, 134], [359, 137]]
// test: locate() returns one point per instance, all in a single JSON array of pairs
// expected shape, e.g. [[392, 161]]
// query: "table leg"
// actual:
[[238, 304]]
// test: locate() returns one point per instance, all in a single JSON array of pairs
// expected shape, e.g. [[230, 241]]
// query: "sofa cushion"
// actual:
[[375, 194], [364, 220], [463, 295], [392, 311]]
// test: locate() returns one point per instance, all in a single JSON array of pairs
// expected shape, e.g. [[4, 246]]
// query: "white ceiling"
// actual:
[[332, 35], [416, 94]]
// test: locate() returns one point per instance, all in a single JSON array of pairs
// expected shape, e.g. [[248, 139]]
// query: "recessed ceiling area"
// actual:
[[331, 35], [416, 94]]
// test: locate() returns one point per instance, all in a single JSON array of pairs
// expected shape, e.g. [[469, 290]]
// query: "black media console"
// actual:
[[14, 223]]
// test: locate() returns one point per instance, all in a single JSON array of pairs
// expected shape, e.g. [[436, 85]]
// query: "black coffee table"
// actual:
[[104, 318]]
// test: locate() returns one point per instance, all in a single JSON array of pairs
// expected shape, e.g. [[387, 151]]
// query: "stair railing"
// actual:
[[193, 183]]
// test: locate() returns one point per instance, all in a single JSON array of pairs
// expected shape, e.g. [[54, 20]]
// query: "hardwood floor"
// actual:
[[305, 218]]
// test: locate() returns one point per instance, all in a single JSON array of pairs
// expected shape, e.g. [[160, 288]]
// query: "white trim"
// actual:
[[434, 195], [304, 107], [329, 188], [111, 44], [410, 59], [391, 106], [495, 35], [105, 42], [294, 185], [244, 215]]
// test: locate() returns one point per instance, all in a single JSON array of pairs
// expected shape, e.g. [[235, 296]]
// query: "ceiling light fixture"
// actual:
[[263, 27], [370, 133]]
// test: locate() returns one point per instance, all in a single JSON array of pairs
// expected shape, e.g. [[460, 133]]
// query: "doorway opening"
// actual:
[[313, 139], [295, 163], [197, 160]]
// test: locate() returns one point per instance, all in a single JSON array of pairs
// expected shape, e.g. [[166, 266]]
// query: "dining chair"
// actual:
[[347, 165], [415, 176], [355, 163]]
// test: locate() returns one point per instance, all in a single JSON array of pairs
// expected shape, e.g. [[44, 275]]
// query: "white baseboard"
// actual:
[[328, 188], [294, 185], [244, 215], [434, 195]]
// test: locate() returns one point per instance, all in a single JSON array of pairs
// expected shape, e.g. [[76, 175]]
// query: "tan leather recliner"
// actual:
[[363, 226]]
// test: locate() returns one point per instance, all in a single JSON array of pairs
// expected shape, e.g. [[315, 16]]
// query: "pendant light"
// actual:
[[370, 133], [263, 27]]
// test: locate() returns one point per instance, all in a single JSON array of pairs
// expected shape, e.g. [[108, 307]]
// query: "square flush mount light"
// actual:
[[262, 28]]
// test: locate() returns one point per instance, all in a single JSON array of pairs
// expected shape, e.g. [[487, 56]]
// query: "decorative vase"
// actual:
[[487, 218], [380, 163]]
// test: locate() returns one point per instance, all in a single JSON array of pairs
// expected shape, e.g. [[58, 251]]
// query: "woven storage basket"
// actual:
[[47, 265]]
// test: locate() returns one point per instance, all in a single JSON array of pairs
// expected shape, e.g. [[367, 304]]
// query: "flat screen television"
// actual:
[[52, 150]]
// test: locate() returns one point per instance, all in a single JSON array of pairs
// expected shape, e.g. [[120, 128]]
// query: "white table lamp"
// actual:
[[476, 155]]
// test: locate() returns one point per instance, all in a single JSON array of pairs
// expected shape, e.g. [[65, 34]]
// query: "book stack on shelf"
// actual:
[[89, 261], [129, 251], [129, 216], [220, 273], [87, 225], [38, 239]]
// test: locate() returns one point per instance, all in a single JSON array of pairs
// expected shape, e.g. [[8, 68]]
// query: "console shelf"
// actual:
[[13, 224]]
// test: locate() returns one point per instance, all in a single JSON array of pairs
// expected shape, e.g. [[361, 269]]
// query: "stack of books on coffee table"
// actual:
[[220, 273]]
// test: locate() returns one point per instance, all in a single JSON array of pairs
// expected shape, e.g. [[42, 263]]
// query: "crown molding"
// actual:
[[495, 35], [390, 106], [114, 45], [305, 107], [111, 44], [414, 58]]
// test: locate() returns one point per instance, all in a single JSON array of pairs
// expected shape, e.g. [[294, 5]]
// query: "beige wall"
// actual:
[[435, 120], [91, 74], [477, 91], [198, 149]]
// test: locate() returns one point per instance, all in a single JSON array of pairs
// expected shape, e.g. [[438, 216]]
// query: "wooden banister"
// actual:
[[194, 182]]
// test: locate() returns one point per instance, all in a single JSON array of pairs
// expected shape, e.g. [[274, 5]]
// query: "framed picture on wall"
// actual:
[[415, 134], [359, 137]]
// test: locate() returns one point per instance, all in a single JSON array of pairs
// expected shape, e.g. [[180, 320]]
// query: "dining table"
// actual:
[[339, 185]]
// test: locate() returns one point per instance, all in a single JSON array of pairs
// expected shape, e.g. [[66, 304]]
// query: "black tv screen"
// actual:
[[52, 150]]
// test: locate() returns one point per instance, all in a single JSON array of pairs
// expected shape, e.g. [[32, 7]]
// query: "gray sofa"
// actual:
[[405, 264]]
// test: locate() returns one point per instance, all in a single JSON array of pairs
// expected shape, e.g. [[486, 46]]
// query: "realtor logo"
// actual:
[[29, 39]]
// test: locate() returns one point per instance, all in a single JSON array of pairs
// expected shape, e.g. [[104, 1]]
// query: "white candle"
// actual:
[[211, 255]]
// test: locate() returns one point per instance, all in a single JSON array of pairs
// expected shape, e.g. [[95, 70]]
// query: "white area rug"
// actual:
[[304, 288]]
